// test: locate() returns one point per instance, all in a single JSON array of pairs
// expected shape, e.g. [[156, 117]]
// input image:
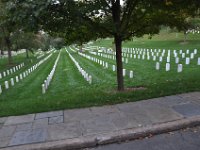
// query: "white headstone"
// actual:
[[43, 89], [6, 85], [195, 51], [168, 59], [180, 68], [126, 60], [187, 61], [8, 72], [106, 65], [198, 61], [24, 74], [177, 60], [17, 79], [0, 89], [188, 51], [183, 55], [113, 68], [20, 77], [192, 55], [157, 66], [154, 58], [131, 74], [12, 81], [124, 72], [90, 80], [167, 66]]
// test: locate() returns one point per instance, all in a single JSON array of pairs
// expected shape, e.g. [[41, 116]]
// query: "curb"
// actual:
[[109, 138]]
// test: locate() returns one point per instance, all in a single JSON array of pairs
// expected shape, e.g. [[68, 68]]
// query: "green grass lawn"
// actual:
[[69, 89]]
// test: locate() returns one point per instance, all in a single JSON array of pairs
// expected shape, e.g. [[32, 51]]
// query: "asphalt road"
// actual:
[[187, 139]]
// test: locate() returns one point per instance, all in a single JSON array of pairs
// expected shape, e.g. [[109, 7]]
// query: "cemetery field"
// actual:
[[68, 89]]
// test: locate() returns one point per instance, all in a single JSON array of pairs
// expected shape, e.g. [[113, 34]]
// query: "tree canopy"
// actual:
[[83, 20]]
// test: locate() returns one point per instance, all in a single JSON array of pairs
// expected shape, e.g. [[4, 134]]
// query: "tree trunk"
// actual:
[[81, 47], [120, 79], [2, 52], [8, 44], [185, 36], [27, 56]]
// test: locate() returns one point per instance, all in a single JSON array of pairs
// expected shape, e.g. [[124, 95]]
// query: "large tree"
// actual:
[[6, 29], [121, 19]]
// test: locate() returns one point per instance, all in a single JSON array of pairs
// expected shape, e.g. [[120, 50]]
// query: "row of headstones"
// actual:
[[140, 50], [144, 52], [72, 49], [46, 83], [109, 56], [105, 64], [128, 52], [180, 66], [12, 53], [167, 67], [125, 72], [23, 75], [11, 70], [177, 59], [86, 76], [89, 48], [156, 57], [40, 56], [193, 31], [100, 62]]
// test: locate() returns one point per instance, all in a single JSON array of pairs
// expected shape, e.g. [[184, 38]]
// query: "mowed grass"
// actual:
[[69, 90]]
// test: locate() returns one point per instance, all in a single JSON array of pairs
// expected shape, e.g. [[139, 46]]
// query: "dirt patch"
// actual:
[[128, 89], [184, 43]]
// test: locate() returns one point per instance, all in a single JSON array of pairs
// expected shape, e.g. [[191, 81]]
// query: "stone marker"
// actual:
[[167, 66], [154, 58], [126, 60], [183, 55], [187, 61], [113, 68], [106, 65], [20, 77], [4, 74], [192, 55], [177, 60], [90, 79], [131, 74], [124, 72], [0, 89], [6, 85], [8, 72], [157, 66], [17, 79], [195, 51], [43, 89], [24, 74], [12, 81], [198, 61], [180, 68], [160, 59], [168, 59]]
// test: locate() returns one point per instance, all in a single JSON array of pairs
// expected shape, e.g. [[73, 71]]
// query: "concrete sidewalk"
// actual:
[[80, 128]]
